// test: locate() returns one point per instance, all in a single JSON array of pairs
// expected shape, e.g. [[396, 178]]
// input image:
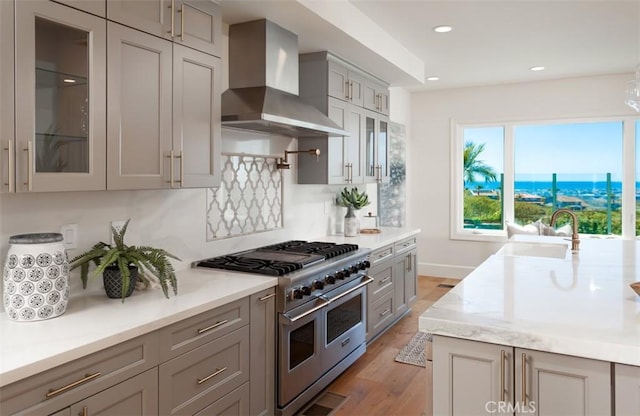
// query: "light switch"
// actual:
[[69, 235]]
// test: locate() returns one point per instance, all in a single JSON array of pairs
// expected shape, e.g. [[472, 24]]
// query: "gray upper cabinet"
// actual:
[[163, 113], [60, 99], [193, 23], [345, 84], [97, 7], [376, 97], [7, 136], [376, 148]]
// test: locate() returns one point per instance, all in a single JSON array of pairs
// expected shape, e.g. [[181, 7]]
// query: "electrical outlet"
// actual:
[[70, 236], [117, 225]]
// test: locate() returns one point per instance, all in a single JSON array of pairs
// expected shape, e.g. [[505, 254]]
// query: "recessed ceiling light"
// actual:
[[536, 68], [433, 78], [442, 29], [69, 80]]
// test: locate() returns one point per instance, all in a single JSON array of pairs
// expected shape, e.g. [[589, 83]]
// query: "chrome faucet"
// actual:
[[575, 239]]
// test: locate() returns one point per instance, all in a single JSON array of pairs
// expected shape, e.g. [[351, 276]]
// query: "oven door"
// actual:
[[344, 320], [299, 348]]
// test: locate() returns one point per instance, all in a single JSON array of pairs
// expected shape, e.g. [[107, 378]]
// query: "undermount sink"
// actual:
[[531, 249]]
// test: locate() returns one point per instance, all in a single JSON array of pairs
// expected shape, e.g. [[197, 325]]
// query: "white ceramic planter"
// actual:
[[35, 278]]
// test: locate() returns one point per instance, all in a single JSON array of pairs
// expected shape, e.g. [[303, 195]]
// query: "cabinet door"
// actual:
[[400, 269], [338, 81], [472, 377], [627, 389], [380, 298], [196, 119], [152, 16], [7, 138], [354, 142], [199, 25], [97, 7], [411, 278], [555, 384], [262, 352], [383, 101], [60, 98], [369, 97], [382, 150], [337, 157], [139, 109], [356, 89], [370, 136], [137, 396]]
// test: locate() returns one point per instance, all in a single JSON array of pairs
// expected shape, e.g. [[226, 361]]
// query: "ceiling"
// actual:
[[492, 41]]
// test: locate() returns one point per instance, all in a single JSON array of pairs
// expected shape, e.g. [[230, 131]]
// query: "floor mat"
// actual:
[[324, 405], [415, 352]]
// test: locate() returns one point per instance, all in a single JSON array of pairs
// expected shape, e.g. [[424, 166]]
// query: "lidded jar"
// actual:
[[35, 277]]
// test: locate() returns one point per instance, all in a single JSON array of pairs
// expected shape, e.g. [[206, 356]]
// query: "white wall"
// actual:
[[432, 113]]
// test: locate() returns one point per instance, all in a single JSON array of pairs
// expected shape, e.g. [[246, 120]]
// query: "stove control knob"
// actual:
[[296, 294], [365, 264], [318, 284], [346, 272], [340, 275], [331, 278], [353, 269], [306, 290]]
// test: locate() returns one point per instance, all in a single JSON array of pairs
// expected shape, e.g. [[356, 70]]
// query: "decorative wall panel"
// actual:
[[391, 196], [249, 198]]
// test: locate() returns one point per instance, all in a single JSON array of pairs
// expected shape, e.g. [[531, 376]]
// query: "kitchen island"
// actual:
[[522, 321]]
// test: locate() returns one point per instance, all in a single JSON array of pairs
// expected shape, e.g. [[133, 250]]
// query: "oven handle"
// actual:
[[316, 308], [368, 279]]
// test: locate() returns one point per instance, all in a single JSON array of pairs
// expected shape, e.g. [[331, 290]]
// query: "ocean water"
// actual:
[[563, 187]]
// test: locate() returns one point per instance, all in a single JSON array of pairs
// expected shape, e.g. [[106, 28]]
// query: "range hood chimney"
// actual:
[[263, 84]]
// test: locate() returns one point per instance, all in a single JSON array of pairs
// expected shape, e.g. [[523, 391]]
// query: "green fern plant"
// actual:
[[150, 260]]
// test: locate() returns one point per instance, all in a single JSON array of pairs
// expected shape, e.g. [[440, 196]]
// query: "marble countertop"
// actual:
[[93, 322], [579, 305]]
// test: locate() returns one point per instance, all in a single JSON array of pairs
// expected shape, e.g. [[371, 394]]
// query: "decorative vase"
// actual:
[[36, 277], [112, 280], [350, 223]]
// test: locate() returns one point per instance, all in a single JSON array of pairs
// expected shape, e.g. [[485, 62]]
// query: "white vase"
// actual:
[[36, 277], [350, 223]]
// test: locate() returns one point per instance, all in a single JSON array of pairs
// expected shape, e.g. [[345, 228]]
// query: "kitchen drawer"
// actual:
[[190, 333], [382, 284], [381, 254], [380, 315], [405, 245], [195, 379], [235, 403], [72, 382]]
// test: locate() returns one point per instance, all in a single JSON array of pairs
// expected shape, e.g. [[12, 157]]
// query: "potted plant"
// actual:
[[122, 265], [352, 200]]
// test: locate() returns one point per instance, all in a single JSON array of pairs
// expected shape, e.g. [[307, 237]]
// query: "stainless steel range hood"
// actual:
[[263, 84]]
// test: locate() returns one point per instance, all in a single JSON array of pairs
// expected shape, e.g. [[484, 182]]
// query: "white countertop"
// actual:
[[581, 305], [93, 322]]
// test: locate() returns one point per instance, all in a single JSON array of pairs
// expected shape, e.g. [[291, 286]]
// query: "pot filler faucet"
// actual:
[[575, 239]]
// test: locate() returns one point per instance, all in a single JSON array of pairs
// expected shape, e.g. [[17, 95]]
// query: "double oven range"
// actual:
[[321, 309]]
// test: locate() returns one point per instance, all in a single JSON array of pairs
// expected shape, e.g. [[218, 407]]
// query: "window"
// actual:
[[522, 172]]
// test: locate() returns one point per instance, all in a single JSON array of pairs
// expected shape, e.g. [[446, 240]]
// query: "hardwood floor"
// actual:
[[378, 385]]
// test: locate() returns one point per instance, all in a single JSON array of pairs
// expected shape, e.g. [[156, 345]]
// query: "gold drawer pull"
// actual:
[[386, 279], [385, 312], [209, 328], [265, 297], [86, 378], [210, 376]]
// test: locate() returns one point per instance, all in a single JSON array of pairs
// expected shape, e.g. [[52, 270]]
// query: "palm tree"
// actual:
[[473, 166]]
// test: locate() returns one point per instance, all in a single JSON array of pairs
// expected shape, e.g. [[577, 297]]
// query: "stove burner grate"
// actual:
[[328, 250], [250, 265]]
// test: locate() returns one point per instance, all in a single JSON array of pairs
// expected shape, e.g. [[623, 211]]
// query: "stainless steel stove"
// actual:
[[321, 311]]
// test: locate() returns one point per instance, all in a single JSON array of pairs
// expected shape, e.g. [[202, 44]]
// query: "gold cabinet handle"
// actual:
[[265, 297], [170, 156], [85, 411], [385, 312], [385, 280], [181, 11], [10, 167], [181, 170], [88, 377], [172, 7], [524, 380], [503, 356], [351, 90], [410, 259], [212, 375], [29, 151], [214, 326], [346, 90]]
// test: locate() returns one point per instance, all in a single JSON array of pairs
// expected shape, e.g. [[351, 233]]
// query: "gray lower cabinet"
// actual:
[[218, 362], [476, 378], [627, 389], [393, 290]]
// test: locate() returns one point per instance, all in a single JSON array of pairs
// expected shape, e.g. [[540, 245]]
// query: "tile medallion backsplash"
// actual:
[[249, 198]]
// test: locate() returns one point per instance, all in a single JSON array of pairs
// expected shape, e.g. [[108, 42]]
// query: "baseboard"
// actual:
[[444, 270]]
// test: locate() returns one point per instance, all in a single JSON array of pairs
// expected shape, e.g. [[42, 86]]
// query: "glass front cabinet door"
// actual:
[[376, 148], [60, 98]]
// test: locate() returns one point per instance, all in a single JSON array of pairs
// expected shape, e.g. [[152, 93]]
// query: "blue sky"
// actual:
[[576, 152]]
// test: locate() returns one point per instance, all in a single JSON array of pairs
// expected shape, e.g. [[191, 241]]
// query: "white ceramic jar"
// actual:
[[35, 279]]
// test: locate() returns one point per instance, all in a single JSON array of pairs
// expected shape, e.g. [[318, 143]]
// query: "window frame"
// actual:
[[457, 230]]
